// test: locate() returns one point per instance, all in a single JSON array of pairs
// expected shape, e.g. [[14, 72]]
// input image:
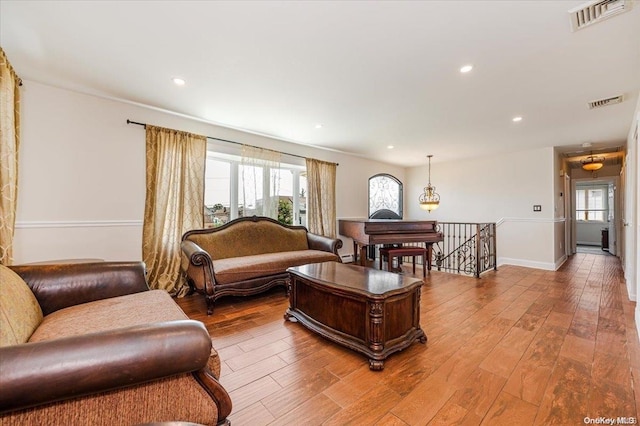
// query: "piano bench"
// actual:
[[391, 252]]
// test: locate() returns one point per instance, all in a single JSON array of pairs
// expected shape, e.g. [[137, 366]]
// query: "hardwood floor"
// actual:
[[519, 347]]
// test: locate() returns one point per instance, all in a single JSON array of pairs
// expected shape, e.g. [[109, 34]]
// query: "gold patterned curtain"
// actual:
[[9, 144], [174, 202], [321, 197]]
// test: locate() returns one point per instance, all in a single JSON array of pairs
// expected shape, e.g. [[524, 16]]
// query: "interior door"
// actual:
[[612, 218]]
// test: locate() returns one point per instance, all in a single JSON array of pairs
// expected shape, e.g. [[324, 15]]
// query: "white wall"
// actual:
[[82, 174], [502, 189], [589, 233]]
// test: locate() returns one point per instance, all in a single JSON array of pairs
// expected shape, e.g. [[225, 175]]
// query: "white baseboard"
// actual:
[[547, 266], [588, 243], [560, 262]]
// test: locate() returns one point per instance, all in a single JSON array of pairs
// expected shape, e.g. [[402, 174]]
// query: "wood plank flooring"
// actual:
[[517, 347]]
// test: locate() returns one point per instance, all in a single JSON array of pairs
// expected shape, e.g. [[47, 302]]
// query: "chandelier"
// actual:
[[591, 163], [429, 200]]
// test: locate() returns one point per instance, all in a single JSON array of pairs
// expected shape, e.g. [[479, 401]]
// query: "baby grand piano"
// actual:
[[365, 232]]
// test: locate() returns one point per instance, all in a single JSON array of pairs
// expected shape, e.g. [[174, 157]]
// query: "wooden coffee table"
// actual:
[[370, 311]]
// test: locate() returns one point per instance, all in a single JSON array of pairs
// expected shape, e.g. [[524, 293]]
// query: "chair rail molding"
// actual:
[[77, 224], [531, 220]]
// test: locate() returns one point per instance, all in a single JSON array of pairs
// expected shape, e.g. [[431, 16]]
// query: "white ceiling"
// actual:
[[372, 73]]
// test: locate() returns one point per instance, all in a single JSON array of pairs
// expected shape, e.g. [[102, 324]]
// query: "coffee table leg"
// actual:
[[422, 338], [376, 365]]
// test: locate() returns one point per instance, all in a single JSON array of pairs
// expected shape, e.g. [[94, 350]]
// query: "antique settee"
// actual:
[[90, 344], [249, 255]]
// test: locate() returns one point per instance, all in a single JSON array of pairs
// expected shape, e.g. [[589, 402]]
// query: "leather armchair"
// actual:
[[99, 354]]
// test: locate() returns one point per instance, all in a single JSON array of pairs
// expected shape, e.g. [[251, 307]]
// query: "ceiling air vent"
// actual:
[[605, 102], [596, 11]]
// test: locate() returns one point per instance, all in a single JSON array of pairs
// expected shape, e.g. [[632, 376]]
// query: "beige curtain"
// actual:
[[9, 144], [321, 197], [174, 202], [259, 184]]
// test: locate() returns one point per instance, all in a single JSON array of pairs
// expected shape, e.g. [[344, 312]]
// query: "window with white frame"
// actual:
[[591, 204], [224, 200]]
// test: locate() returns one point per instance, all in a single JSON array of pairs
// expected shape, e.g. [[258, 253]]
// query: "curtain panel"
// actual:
[[321, 197], [259, 184], [174, 202], [9, 145]]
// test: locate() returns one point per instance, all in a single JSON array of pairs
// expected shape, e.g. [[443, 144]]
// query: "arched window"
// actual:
[[385, 193]]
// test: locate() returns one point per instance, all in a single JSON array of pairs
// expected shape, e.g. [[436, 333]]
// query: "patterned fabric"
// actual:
[[9, 144], [20, 313], [174, 202], [250, 238], [174, 398], [321, 197], [247, 267]]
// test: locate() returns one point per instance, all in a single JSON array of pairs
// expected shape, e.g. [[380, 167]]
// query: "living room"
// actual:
[[82, 167]]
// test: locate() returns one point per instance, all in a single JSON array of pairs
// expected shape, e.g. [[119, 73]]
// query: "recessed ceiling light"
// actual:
[[179, 81], [516, 119], [389, 146], [318, 126], [466, 68]]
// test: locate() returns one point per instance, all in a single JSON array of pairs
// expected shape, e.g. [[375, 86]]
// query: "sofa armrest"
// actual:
[[199, 258], [42, 372], [63, 285], [196, 255], [320, 242]]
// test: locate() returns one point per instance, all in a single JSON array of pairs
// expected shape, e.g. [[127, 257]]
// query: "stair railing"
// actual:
[[467, 248]]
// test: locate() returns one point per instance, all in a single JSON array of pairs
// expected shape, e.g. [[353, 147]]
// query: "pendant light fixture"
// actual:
[[591, 163], [429, 200]]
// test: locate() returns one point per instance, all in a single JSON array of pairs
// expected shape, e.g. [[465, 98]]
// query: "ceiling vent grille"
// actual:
[[605, 102], [596, 11]]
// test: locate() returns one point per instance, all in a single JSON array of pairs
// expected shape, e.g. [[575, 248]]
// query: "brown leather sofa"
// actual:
[[249, 255], [90, 344]]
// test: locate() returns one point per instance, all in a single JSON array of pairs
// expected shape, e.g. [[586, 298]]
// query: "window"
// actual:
[[385, 193], [591, 204], [217, 192], [224, 200]]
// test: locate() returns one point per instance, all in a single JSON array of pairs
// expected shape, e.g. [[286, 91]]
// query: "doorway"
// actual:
[[595, 215]]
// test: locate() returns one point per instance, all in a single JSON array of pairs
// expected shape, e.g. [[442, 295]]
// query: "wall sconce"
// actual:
[[429, 200]]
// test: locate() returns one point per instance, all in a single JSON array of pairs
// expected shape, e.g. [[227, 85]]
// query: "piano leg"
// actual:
[[363, 255]]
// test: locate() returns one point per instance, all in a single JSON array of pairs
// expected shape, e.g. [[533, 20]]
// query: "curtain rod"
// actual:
[[234, 142]]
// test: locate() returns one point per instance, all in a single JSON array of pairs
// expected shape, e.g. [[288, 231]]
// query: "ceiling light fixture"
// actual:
[[429, 200], [516, 119], [179, 81], [466, 68], [318, 126], [390, 146], [591, 163]]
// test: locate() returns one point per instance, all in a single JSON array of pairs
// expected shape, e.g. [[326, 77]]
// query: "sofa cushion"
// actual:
[[250, 238], [110, 314], [20, 313], [248, 267]]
